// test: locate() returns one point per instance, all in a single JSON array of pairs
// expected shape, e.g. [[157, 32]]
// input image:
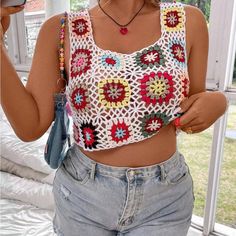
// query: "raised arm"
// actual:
[[30, 108]]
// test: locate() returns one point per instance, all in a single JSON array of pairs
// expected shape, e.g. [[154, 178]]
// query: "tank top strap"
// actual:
[[172, 18], [79, 27]]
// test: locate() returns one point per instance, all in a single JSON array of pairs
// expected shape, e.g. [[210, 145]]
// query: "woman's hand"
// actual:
[[5, 13], [201, 110]]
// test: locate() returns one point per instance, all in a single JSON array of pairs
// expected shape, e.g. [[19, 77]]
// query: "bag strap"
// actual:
[[63, 76]]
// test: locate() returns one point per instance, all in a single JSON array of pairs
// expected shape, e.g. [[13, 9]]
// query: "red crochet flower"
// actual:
[[110, 61], [89, 135], [172, 19], [178, 52], [152, 125], [120, 132], [80, 27], [153, 122], [157, 87], [80, 97], [81, 62], [185, 87], [114, 92]]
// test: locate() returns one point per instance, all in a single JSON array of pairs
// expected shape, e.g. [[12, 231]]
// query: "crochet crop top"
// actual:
[[117, 98]]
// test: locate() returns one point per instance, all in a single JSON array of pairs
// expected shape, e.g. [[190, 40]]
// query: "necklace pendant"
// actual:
[[123, 30]]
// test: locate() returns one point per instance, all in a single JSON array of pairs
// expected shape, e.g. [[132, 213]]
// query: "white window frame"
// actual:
[[16, 39], [16, 34], [13, 42], [222, 36], [222, 48]]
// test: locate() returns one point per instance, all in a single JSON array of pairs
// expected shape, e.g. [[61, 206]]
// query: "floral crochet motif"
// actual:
[[80, 27], [79, 97], [152, 123], [150, 57], [185, 86], [121, 98], [119, 131], [173, 19], [81, 62], [177, 51], [156, 87], [89, 134], [114, 92], [110, 61]]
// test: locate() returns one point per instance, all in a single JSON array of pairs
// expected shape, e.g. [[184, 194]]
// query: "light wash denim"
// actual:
[[94, 199]]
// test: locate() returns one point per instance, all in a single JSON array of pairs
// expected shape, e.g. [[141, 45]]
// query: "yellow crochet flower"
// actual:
[[114, 92], [173, 19]]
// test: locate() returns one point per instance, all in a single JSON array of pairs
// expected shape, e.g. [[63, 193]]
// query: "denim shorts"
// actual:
[[95, 199]]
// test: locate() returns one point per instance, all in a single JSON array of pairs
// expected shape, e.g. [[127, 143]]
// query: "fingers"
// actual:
[[5, 11], [187, 117], [193, 122], [187, 102], [195, 128]]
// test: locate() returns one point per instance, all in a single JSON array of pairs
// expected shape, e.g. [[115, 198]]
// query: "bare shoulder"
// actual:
[[50, 29], [196, 24], [44, 71], [194, 15], [52, 21]]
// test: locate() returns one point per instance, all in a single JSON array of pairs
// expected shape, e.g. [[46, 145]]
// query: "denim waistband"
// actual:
[[120, 171]]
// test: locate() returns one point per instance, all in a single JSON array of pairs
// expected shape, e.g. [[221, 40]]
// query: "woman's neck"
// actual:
[[125, 8]]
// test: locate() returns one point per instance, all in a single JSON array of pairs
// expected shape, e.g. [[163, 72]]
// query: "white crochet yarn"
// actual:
[[118, 98]]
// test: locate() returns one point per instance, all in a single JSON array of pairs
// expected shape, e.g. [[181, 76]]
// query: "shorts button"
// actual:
[[128, 221], [132, 172]]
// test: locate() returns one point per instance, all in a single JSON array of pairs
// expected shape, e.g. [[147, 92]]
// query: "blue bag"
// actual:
[[59, 138]]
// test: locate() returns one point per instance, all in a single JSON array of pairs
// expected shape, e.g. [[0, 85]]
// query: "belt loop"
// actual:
[[163, 173], [92, 173]]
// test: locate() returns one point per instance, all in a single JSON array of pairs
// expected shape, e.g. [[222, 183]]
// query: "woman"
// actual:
[[124, 174]]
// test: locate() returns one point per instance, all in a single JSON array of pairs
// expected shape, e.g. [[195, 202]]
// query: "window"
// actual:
[[211, 172], [24, 29], [25, 26], [226, 199], [197, 150], [232, 80], [34, 16]]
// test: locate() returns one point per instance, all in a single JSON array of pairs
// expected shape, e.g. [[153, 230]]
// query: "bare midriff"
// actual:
[[150, 151]]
